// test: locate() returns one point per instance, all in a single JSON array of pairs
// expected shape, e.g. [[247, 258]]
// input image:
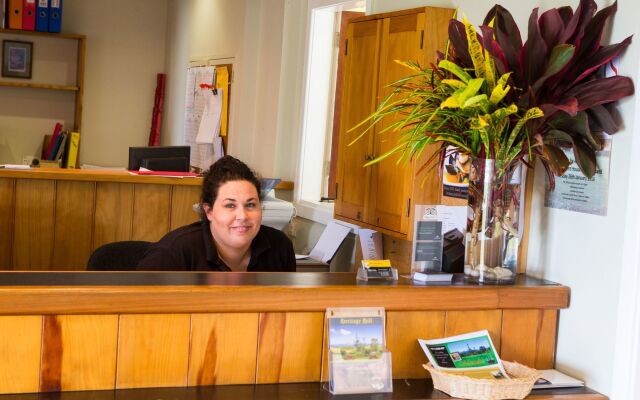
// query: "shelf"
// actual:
[[44, 34], [39, 86]]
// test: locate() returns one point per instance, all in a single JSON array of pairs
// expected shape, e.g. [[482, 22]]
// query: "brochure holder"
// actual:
[[360, 376], [365, 274], [357, 357]]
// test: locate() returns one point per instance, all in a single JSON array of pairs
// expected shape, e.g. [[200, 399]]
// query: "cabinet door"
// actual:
[[391, 182], [359, 100]]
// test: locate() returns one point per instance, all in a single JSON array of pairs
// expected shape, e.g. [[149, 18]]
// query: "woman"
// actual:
[[230, 236]]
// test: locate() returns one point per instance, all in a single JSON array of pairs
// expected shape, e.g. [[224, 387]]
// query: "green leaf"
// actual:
[[454, 69], [475, 49], [454, 83], [477, 101]]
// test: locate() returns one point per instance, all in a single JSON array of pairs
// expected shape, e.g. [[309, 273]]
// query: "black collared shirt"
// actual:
[[191, 248]]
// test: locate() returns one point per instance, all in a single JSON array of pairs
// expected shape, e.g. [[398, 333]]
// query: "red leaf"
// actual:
[[551, 27], [601, 91], [458, 38], [600, 119], [570, 106], [535, 56], [600, 58], [578, 22]]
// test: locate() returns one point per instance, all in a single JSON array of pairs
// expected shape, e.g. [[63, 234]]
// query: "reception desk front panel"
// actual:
[[88, 331]]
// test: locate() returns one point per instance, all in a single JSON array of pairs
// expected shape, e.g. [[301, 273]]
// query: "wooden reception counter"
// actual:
[[52, 219], [98, 330]]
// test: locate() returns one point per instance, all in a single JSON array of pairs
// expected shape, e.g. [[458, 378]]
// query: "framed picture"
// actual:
[[16, 59]]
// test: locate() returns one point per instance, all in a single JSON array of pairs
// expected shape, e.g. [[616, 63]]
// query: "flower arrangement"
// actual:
[[497, 99], [494, 97]]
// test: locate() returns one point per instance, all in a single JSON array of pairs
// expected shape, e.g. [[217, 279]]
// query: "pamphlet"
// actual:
[[370, 243], [432, 222], [552, 378], [358, 360], [471, 354], [330, 240]]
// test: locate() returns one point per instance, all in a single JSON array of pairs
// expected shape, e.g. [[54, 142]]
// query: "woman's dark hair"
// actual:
[[224, 170]]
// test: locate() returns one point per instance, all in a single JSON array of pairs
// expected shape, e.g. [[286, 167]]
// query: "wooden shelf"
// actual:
[[39, 86], [44, 34]]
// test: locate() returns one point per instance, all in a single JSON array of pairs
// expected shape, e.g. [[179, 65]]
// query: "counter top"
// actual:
[[403, 389], [63, 174], [156, 292]]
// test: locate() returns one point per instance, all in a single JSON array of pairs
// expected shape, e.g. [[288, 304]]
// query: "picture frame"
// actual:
[[17, 59]]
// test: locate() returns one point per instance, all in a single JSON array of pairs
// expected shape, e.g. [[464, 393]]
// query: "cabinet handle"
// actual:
[[421, 39], [358, 216], [368, 157], [408, 206]]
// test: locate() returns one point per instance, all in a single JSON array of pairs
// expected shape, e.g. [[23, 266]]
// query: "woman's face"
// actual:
[[236, 215]]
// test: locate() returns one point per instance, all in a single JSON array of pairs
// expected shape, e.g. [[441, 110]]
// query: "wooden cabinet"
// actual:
[[382, 196]]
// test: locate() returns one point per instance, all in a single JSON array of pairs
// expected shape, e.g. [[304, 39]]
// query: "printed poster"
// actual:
[[575, 192]]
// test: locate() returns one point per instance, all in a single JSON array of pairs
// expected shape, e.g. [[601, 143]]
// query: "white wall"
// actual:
[[581, 251], [251, 31], [125, 51], [198, 29]]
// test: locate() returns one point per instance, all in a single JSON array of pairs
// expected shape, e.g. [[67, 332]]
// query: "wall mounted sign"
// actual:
[[576, 192]]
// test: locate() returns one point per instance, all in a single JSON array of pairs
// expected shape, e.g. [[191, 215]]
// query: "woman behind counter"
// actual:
[[230, 236]]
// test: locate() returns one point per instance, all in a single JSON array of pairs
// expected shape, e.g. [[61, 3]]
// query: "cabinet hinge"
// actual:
[[421, 39], [346, 47], [336, 39], [408, 206]]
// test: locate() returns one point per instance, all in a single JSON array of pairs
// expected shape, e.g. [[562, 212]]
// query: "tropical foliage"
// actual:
[[493, 96]]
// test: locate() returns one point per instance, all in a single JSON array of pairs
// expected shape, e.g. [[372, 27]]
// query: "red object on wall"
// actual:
[[156, 117]]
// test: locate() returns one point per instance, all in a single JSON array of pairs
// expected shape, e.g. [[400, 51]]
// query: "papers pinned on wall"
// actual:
[[203, 117]]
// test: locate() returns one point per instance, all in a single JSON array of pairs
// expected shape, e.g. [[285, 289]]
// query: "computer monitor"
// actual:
[[160, 158]]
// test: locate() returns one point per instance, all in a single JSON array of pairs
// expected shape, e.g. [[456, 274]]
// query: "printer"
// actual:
[[276, 213]]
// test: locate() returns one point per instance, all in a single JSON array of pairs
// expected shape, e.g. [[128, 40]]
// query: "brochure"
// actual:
[[471, 354], [358, 360], [552, 378]]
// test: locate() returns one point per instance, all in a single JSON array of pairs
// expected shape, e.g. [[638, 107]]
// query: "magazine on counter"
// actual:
[[471, 354]]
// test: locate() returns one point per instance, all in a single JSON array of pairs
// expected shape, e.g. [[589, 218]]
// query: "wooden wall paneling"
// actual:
[[547, 333], [75, 206], [151, 211], [7, 211], [223, 349], [114, 213], [459, 322], [403, 331], [20, 344], [182, 200], [153, 350], [290, 347], [79, 352], [522, 334], [398, 251], [34, 224]]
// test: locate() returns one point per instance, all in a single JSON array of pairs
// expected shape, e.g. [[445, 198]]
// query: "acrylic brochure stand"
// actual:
[[358, 359], [361, 376]]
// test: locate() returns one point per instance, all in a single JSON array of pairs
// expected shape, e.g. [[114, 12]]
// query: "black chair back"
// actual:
[[118, 256]]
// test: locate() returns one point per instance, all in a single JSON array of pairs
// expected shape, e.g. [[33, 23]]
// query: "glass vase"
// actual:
[[493, 235]]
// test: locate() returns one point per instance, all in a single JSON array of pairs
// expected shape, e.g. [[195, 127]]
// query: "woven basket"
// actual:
[[518, 387]]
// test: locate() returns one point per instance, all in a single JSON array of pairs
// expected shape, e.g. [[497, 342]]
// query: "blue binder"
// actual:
[[42, 16], [55, 15]]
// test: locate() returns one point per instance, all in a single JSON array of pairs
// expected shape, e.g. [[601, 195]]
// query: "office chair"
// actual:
[[117, 256]]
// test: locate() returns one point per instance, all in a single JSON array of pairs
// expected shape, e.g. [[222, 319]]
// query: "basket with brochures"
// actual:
[[468, 367]]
